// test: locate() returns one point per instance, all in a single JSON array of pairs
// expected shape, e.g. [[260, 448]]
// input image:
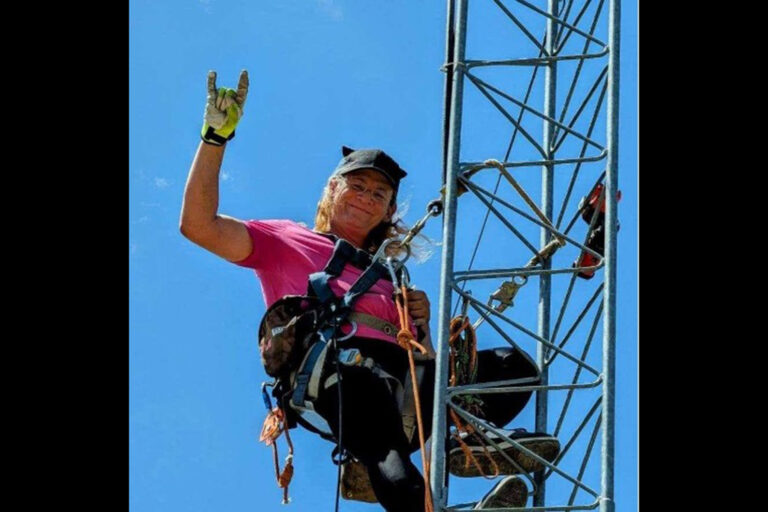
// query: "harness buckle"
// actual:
[[350, 357]]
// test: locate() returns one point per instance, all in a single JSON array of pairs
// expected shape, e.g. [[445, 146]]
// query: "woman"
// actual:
[[358, 205]]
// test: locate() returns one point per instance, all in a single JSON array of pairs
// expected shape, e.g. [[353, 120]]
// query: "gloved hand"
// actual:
[[223, 110]]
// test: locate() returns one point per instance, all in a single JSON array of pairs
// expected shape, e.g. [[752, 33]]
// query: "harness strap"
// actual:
[[352, 357], [299, 419], [339, 309], [312, 368], [317, 351], [361, 259], [374, 323], [343, 253], [367, 279]]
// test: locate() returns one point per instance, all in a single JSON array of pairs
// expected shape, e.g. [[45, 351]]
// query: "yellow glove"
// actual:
[[223, 110]]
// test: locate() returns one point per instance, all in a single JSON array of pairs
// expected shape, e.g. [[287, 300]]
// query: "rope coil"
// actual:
[[463, 365]]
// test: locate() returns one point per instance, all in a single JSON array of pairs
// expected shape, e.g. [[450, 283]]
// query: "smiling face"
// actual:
[[361, 201]]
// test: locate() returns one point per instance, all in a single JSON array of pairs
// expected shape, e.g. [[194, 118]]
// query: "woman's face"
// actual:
[[361, 201]]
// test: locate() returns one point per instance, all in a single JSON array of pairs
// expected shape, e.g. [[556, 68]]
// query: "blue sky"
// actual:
[[323, 73]]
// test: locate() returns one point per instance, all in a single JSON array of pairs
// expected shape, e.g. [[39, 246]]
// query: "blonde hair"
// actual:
[[392, 229]]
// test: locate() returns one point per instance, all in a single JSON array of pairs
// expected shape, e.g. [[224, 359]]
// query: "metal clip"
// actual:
[[392, 273], [353, 357], [506, 293], [381, 253], [350, 357]]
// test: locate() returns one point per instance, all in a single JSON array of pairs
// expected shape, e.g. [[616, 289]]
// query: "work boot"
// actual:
[[508, 492], [543, 445], [355, 482]]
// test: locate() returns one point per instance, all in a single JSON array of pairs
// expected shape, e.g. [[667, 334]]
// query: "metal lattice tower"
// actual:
[[543, 103]]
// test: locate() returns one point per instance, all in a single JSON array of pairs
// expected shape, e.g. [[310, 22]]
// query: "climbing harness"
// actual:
[[310, 325], [298, 338]]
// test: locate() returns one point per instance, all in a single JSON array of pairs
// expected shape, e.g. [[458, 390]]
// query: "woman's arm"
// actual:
[[200, 221], [222, 235]]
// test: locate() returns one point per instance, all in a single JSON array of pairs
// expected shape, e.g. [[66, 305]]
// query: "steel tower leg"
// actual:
[[547, 184], [609, 325], [553, 154], [439, 422]]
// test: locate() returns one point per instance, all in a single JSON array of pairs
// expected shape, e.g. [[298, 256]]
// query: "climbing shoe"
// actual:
[[544, 445], [508, 492], [355, 482]]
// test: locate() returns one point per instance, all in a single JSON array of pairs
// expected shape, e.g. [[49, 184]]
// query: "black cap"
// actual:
[[356, 159]]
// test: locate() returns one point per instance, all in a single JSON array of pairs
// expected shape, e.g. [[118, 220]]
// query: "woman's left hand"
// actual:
[[418, 307]]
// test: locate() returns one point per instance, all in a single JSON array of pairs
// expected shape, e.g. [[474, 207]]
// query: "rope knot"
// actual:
[[405, 338]]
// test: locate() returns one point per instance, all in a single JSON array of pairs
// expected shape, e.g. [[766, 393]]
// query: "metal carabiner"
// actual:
[[392, 273], [382, 249], [380, 254]]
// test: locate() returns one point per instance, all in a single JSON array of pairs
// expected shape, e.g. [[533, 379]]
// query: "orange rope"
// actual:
[[406, 340], [274, 425]]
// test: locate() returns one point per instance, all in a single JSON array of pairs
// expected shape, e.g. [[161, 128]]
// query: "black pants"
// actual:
[[372, 428]]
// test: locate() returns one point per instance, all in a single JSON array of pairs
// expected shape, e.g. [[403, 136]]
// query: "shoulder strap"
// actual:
[[343, 253]]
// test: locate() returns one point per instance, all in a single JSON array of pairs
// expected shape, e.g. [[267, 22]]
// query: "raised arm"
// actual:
[[200, 221]]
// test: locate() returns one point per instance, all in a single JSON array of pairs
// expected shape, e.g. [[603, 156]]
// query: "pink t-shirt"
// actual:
[[285, 253]]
